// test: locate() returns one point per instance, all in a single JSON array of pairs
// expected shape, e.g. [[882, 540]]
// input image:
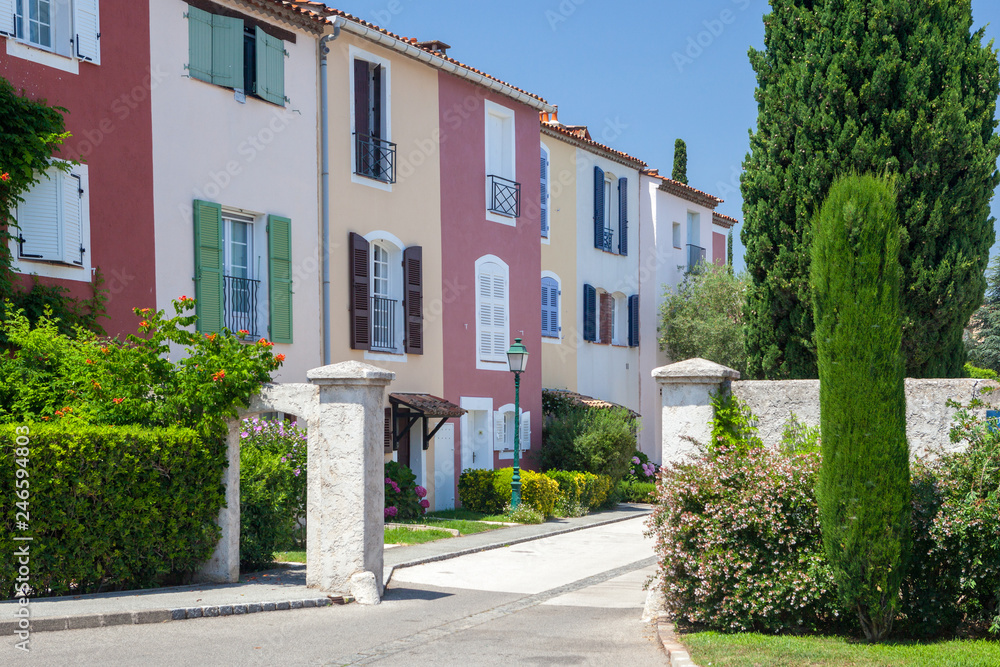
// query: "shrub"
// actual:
[[537, 490], [478, 494], [596, 491], [954, 576], [111, 508], [523, 513], [799, 438], [739, 546], [864, 484], [559, 435], [581, 489], [403, 498], [641, 469], [637, 492], [980, 373], [733, 425], [600, 441], [273, 484]]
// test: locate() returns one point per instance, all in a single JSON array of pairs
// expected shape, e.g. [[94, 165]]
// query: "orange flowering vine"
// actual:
[[4, 177], [116, 401], [279, 357], [263, 342], [217, 377]]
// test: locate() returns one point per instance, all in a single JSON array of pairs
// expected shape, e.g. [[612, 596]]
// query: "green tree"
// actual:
[[680, 172], [984, 327], [864, 484], [898, 86], [704, 317]]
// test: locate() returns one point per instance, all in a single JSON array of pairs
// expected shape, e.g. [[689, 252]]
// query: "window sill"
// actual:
[[491, 365], [552, 340], [41, 56], [510, 221], [370, 182], [385, 355]]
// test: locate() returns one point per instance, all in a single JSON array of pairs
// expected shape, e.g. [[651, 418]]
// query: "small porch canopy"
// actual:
[[414, 407]]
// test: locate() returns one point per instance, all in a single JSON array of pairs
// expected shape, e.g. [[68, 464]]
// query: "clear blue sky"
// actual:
[[654, 70]]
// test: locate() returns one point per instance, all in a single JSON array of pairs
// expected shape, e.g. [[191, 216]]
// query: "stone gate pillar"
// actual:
[[686, 389], [346, 492]]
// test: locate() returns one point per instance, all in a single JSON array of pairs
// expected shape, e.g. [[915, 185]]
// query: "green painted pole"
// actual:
[[515, 483]]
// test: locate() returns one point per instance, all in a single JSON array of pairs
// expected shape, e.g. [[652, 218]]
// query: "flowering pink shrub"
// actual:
[[402, 495], [390, 512], [641, 469], [738, 539]]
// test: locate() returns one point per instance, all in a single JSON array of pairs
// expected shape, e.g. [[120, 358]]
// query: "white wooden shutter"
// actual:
[[38, 219], [525, 431], [7, 18], [492, 315], [87, 30], [72, 202], [499, 430]]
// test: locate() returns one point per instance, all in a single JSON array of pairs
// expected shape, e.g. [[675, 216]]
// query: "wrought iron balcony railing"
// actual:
[[696, 256], [375, 158], [609, 240], [239, 300], [383, 324], [505, 196]]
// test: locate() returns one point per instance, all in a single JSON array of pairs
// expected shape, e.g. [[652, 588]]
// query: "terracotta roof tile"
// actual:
[[723, 220], [587, 401], [430, 406], [327, 12], [578, 134], [684, 191]]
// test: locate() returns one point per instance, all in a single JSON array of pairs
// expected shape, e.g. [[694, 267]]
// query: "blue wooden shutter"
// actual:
[[599, 208], [279, 263], [209, 267], [633, 320], [589, 313], [544, 179], [270, 68], [200, 44], [227, 51], [550, 308], [622, 216]]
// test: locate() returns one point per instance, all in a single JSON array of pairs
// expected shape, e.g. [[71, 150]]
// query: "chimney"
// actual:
[[435, 45]]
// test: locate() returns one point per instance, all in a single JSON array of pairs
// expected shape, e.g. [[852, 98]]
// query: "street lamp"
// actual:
[[517, 360]]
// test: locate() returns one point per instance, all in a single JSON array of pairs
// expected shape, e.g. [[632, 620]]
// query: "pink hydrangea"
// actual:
[[635, 460], [390, 512], [421, 491], [425, 503]]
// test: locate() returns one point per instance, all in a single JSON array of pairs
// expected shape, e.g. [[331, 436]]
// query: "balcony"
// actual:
[[608, 240], [239, 300], [696, 256], [375, 158], [383, 316], [505, 196]]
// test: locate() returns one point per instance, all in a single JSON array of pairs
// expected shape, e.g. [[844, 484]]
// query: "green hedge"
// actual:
[[537, 490], [637, 492], [110, 508], [478, 494]]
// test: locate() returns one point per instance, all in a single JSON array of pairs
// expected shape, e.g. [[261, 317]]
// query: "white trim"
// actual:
[[354, 52], [469, 404], [395, 292], [379, 235], [19, 49], [443, 64], [491, 108], [559, 318]]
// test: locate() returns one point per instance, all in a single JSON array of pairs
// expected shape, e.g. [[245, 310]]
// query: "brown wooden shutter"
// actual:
[[388, 431], [361, 97], [360, 286], [376, 128], [413, 284]]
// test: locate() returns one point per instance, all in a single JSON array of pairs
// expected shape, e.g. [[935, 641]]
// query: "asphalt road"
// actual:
[[573, 599]]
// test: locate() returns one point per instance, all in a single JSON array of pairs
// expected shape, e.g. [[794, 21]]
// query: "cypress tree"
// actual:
[[897, 86], [680, 172], [863, 491]]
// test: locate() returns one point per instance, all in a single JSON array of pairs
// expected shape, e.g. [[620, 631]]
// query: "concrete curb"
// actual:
[[500, 545], [80, 622], [677, 655]]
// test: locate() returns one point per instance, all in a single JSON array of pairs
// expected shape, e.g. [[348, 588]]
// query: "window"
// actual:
[[619, 319], [386, 294], [610, 208], [54, 219], [696, 254], [606, 323], [544, 177], [677, 235], [374, 154], [503, 192], [492, 311], [54, 26], [230, 267], [550, 307], [223, 50], [503, 425]]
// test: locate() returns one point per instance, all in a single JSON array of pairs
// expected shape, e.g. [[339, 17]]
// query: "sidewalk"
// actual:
[[274, 590]]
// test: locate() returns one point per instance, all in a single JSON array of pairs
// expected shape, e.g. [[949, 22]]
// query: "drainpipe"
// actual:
[[324, 148]]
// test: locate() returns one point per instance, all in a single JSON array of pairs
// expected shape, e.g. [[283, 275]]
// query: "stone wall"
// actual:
[[928, 417]]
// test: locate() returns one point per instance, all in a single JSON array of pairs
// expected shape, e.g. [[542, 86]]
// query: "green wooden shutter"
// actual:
[[200, 44], [270, 68], [227, 51], [208, 266], [589, 313], [279, 268]]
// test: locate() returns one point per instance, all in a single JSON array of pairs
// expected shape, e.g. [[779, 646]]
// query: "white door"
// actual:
[[444, 468], [480, 440]]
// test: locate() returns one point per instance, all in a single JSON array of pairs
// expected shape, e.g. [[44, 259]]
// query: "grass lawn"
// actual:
[[467, 515], [755, 650], [463, 526], [411, 536], [291, 556]]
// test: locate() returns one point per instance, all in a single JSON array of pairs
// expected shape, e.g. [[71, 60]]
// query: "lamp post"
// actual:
[[517, 359]]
